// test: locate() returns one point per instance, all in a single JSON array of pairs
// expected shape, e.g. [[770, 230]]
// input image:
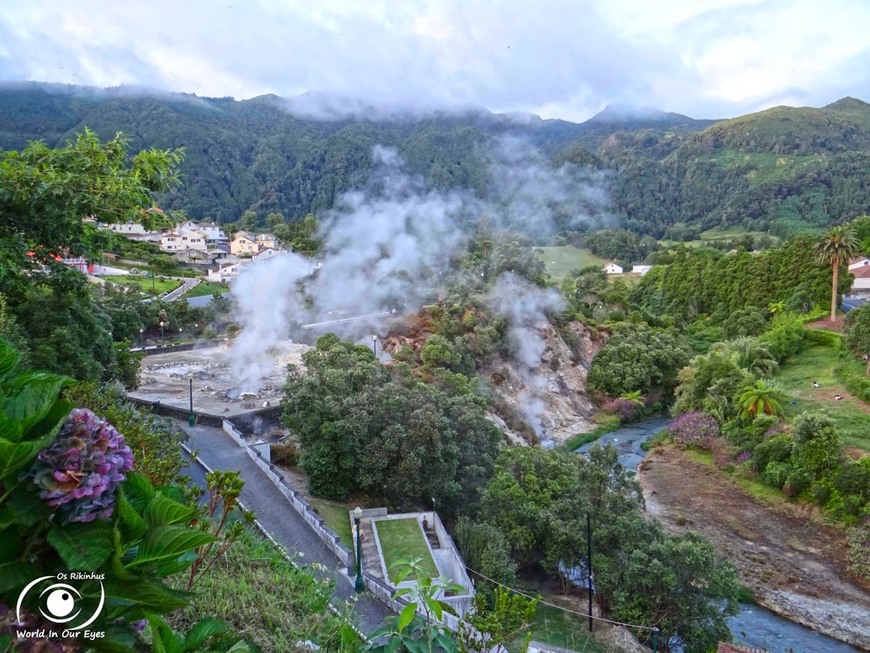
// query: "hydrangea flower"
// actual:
[[79, 472]]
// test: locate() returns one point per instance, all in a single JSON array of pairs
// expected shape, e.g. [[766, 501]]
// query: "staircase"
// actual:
[[432, 536]]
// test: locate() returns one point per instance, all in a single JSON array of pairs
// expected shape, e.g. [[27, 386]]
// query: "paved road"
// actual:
[[187, 284], [284, 524]]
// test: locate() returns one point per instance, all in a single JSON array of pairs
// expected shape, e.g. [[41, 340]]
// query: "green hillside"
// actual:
[[782, 170]]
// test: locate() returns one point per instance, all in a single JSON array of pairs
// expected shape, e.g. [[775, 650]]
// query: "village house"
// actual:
[[265, 255], [181, 239], [244, 243], [612, 268], [266, 241], [858, 263], [862, 278]]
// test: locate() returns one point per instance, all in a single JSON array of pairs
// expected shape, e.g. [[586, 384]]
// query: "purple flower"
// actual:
[[690, 428], [743, 456], [79, 472]]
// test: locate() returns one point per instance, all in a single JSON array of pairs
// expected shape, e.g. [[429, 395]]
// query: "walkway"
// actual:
[[217, 450]]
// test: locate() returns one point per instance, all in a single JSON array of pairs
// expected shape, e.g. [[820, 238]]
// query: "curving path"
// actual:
[[286, 526]]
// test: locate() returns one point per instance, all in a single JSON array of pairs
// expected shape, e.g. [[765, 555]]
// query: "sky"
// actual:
[[563, 59]]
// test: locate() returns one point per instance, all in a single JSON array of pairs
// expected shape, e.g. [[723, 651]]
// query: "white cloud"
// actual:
[[558, 58]]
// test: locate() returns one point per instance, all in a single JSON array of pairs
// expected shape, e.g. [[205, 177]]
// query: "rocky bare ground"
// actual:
[[795, 564]]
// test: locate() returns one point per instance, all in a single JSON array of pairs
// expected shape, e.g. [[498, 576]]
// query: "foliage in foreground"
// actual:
[[262, 595], [69, 502]]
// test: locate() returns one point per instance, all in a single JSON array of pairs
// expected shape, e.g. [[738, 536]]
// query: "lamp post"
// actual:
[[162, 337], [191, 418], [375, 345], [142, 338], [359, 585]]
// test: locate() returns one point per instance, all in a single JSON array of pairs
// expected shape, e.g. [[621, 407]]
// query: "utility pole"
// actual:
[[589, 564]]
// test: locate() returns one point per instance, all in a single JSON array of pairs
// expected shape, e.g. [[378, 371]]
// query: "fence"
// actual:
[[317, 523]]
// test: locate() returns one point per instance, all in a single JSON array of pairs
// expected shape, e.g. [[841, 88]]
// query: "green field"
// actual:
[[336, 517], [160, 285], [560, 628], [851, 415], [402, 539], [205, 288], [560, 261], [713, 235]]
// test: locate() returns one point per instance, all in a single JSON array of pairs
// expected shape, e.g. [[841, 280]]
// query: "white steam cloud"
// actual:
[[387, 246], [526, 306]]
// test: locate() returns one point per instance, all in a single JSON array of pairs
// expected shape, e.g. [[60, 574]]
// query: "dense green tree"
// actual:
[[837, 248], [638, 357], [363, 428], [858, 332], [45, 195]]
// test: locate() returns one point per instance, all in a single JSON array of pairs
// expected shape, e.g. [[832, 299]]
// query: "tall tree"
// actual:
[[839, 244]]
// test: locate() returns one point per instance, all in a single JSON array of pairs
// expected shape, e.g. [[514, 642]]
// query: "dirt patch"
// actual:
[[795, 564], [828, 325]]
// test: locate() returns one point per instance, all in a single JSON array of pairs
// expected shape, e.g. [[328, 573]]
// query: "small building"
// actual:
[[244, 243], [862, 279], [266, 241], [264, 255], [612, 268], [179, 240], [859, 263], [640, 269], [192, 256]]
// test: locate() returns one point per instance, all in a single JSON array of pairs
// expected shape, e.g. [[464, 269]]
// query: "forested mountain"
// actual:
[[783, 169]]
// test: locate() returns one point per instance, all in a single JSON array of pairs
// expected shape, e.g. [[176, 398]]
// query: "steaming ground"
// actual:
[[391, 245], [217, 389]]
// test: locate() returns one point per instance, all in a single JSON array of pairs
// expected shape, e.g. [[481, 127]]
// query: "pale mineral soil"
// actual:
[[791, 559]]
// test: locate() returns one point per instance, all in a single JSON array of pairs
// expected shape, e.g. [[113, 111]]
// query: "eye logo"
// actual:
[[60, 603]]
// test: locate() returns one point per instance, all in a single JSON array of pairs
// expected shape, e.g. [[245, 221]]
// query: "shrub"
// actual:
[[859, 549], [690, 428], [284, 453], [775, 449], [209, 333], [624, 409]]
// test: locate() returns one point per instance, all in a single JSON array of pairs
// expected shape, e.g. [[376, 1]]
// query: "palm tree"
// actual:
[[839, 244], [634, 397], [760, 397]]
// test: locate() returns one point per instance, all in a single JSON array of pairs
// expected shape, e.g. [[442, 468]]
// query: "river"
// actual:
[[753, 625]]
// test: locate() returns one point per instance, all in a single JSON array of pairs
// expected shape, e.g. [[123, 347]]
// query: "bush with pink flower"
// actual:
[[694, 427], [80, 471]]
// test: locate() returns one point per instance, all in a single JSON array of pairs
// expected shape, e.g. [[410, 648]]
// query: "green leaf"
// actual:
[[169, 542], [132, 524], [201, 631], [10, 429], [50, 424], [16, 574], [31, 396], [406, 616], [434, 606], [138, 490], [26, 506], [149, 593], [83, 546], [163, 640], [9, 357], [163, 511], [14, 457]]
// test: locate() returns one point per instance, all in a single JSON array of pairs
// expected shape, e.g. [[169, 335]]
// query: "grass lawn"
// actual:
[[559, 261], [402, 539], [160, 285], [205, 288], [560, 628], [336, 517], [851, 415]]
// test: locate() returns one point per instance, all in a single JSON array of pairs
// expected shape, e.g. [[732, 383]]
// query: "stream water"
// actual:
[[753, 625]]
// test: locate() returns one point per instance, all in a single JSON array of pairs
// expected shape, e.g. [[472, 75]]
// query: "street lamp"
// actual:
[[162, 338], [359, 585], [375, 345], [142, 338]]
